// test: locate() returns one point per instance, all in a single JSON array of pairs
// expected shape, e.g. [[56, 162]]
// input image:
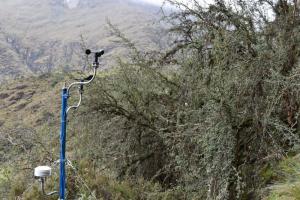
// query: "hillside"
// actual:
[[214, 116], [47, 35]]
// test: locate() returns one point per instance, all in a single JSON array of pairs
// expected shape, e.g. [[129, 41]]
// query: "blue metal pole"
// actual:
[[62, 176]]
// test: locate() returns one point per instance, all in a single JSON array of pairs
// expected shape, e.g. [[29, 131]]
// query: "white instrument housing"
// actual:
[[42, 171]]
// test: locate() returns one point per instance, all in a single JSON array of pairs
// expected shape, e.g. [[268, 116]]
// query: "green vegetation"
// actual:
[[213, 117], [287, 186]]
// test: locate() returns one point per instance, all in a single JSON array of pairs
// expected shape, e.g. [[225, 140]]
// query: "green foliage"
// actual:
[[18, 188], [229, 108], [206, 120], [5, 178], [5, 175], [268, 174], [287, 186]]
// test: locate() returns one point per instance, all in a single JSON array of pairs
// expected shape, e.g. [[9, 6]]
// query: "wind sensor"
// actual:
[[43, 172]]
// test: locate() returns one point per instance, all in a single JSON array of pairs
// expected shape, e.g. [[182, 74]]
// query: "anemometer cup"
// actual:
[[88, 51], [97, 55]]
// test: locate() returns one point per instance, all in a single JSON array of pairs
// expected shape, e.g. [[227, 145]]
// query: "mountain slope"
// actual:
[[48, 34]]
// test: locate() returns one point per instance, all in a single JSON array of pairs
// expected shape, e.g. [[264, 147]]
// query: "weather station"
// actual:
[[44, 172]]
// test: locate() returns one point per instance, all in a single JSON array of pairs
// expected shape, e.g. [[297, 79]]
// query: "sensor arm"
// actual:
[[79, 102], [44, 171], [82, 83], [98, 54]]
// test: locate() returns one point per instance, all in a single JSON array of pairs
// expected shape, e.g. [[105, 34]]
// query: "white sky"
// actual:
[[159, 2], [156, 2], [268, 11], [74, 3]]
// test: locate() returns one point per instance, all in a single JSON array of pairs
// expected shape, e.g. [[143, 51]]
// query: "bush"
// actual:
[[210, 113], [200, 121]]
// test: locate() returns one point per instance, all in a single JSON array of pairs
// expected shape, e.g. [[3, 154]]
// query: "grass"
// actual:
[[27, 100], [288, 185], [46, 100], [29, 118]]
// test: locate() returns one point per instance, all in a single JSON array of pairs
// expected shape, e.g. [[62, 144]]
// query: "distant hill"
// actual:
[[45, 35]]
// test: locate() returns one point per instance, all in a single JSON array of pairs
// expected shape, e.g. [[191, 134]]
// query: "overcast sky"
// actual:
[[159, 2], [74, 3]]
